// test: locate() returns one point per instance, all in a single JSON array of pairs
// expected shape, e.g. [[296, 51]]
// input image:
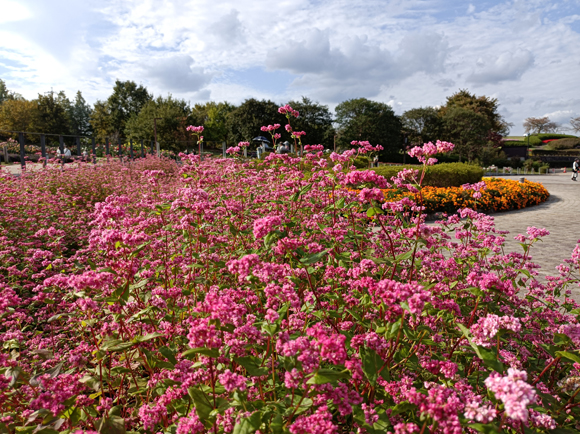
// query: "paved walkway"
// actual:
[[560, 214]]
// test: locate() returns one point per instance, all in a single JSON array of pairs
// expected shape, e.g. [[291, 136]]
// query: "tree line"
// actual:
[[472, 122]]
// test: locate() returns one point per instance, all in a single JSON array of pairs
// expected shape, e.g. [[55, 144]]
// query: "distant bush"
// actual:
[[549, 136], [362, 162], [567, 143], [440, 175]]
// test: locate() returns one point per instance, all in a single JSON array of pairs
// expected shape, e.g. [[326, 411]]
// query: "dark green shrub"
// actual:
[[440, 175], [567, 143], [362, 162], [549, 136]]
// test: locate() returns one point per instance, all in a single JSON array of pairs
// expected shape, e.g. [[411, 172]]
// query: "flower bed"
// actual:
[[499, 195], [228, 295]]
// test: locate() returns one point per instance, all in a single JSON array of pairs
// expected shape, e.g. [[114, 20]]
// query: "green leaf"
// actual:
[[403, 407], [203, 408], [114, 345], [324, 376], [111, 425], [487, 355], [568, 355], [486, 429], [148, 337], [371, 363], [312, 259], [248, 425], [169, 355], [209, 352], [252, 365]]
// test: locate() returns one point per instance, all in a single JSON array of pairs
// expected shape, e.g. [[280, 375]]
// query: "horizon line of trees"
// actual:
[[472, 122]]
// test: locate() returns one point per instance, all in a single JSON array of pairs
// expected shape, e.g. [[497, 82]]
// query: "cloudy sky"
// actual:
[[407, 53]]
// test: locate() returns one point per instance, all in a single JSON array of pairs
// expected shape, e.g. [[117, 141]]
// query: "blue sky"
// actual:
[[407, 53]]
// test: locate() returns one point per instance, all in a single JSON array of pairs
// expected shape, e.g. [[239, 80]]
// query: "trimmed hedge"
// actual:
[[567, 143], [439, 175]]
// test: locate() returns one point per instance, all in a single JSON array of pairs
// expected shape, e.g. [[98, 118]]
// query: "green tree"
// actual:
[[171, 133], [6, 94], [468, 130], [245, 121], [52, 113], [363, 119], [316, 120], [17, 115], [126, 101], [80, 115], [215, 119], [100, 120], [422, 125], [483, 105]]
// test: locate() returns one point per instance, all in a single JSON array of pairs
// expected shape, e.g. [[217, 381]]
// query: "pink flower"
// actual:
[[318, 423], [263, 226], [486, 328], [513, 391], [194, 129], [232, 381]]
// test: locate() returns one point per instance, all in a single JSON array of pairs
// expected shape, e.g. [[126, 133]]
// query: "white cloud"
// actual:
[[414, 52], [507, 66], [176, 73]]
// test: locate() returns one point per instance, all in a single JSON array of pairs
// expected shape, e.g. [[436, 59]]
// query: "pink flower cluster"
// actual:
[[513, 391], [288, 111], [195, 129], [270, 128], [265, 225], [487, 327], [422, 153]]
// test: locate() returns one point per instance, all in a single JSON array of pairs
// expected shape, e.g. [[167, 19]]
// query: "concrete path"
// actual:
[[560, 214]]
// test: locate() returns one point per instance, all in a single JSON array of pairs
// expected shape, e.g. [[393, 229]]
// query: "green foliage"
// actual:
[[316, 120], [246, 120], [171, 132], [468, 130], [422, 125], [439, 175], [483, 105], [80, 115], [568, 143], [52, 113], [126, 101], [363, 119], [362, 162], [548, 136]]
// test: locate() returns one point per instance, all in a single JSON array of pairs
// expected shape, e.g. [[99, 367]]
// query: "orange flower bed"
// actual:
[[500, 195]]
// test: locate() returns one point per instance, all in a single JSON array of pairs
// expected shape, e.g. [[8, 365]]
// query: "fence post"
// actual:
[[120, 152], [142, 149], [43, 148], [224, 149], [131, 149], [107, 149], [22, 161], [61, 147], [245, 152], [78, 140], [152, 147], [94, 146]]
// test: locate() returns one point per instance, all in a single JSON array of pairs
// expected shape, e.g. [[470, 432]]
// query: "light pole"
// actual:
[[528, 146], [155, 132]]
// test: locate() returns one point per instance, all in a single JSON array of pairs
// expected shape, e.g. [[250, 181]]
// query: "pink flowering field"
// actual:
[[241, 296]]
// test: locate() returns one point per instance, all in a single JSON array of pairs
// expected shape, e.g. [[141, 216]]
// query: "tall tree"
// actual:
[[363, 119], [215, 118], [174, 116], [482, 105], [575, 122], [80, 115], [316, 120], [246, 120], [422, 125], [17, 115], [100, 121], [468, 130], [52, 113], [540, 125], [6, 94], [126, 100]]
